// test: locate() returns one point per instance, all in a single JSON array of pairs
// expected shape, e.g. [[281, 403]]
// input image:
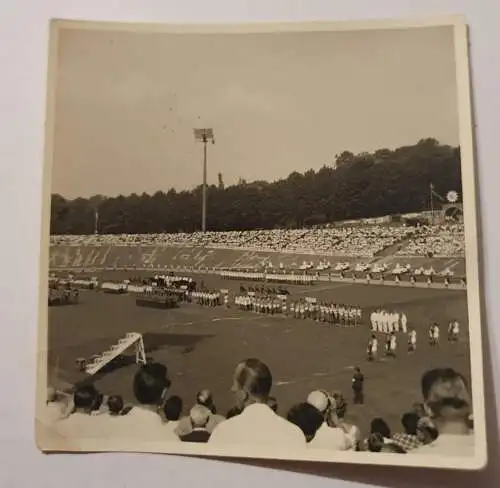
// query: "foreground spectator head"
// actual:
[[199, 416], [379, 426], [115, 404], [252, 382], [446, 395], [204, 397], [172, 408], [375, 442], [307, 418], [331, 418], [320, 400], [86, 398], [340, 404], [419, 409], [151, 384], [427, 433], [410, 423]]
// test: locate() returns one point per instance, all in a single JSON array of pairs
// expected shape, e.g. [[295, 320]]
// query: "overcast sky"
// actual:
[[127, 103]]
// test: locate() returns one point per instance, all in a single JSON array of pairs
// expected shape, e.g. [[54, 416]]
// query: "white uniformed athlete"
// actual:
[[435, 334], [393, 344], [412, 341], [404, 323], [455, 330]]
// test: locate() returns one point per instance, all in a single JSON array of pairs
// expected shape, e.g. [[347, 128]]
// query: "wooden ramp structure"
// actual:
[[133, 339]]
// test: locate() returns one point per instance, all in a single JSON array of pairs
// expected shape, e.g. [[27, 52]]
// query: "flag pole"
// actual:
[[431, 188]]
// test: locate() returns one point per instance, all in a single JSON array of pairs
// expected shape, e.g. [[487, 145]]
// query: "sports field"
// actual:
[[201, 346]]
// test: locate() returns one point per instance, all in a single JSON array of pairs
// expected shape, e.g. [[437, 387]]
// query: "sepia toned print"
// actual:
[[260, 241]]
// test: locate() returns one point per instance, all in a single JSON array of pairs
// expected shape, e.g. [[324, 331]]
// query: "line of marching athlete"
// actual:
[[392, 323], [308, 308]]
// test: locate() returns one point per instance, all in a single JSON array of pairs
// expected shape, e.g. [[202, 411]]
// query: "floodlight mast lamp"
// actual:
[[204, 135]]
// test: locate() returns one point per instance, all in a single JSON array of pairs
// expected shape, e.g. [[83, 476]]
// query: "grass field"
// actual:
[[201, 346]]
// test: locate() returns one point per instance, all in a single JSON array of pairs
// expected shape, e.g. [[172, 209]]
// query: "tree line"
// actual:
[[354, 186]]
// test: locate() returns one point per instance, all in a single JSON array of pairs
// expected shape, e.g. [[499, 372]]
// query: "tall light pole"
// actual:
[[204, 135]]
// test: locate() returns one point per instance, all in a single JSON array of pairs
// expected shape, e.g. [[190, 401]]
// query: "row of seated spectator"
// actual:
[[361, 241], [441, 425]]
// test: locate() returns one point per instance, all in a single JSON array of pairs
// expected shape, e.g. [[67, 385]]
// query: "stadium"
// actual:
[[316, 270], [373, 263]]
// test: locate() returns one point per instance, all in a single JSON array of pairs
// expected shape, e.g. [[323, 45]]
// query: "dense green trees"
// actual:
[[354, 186]]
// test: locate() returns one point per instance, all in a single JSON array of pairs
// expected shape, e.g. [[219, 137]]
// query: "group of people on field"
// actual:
[[307, 308], [390, 345], [326, 312]]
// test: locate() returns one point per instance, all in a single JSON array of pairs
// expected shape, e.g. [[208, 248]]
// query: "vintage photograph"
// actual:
[[260, 241]]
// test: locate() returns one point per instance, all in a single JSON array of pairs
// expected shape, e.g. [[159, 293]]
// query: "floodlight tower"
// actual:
[[204, 135]]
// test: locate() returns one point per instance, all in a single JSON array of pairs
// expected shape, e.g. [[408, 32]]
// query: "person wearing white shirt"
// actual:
[[378, 324], [257, 424], [412, 341], [330, 433], [435, 334], [404, 322]]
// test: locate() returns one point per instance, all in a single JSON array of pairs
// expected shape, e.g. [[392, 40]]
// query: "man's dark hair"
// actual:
[[410, 422], [379, 426], [375, 442], [150, 382], [428, 433], [452, 396], [172, 408], [86, 397], [115, 404], [255, 378], [307, 418], [443, 374]]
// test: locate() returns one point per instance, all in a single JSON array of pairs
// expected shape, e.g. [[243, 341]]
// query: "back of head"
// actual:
[[86, 397], [446, 394], [172, 408], [375, 442], [150, 383], [410, 422], [379, 426], [115, 404], [204, 397], [340, 404], [307, 418], [199, 416], [254, 378]]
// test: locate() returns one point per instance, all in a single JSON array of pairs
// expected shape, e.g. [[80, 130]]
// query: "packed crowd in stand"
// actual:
[[357, 241], [441, 241], [441, 424]]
